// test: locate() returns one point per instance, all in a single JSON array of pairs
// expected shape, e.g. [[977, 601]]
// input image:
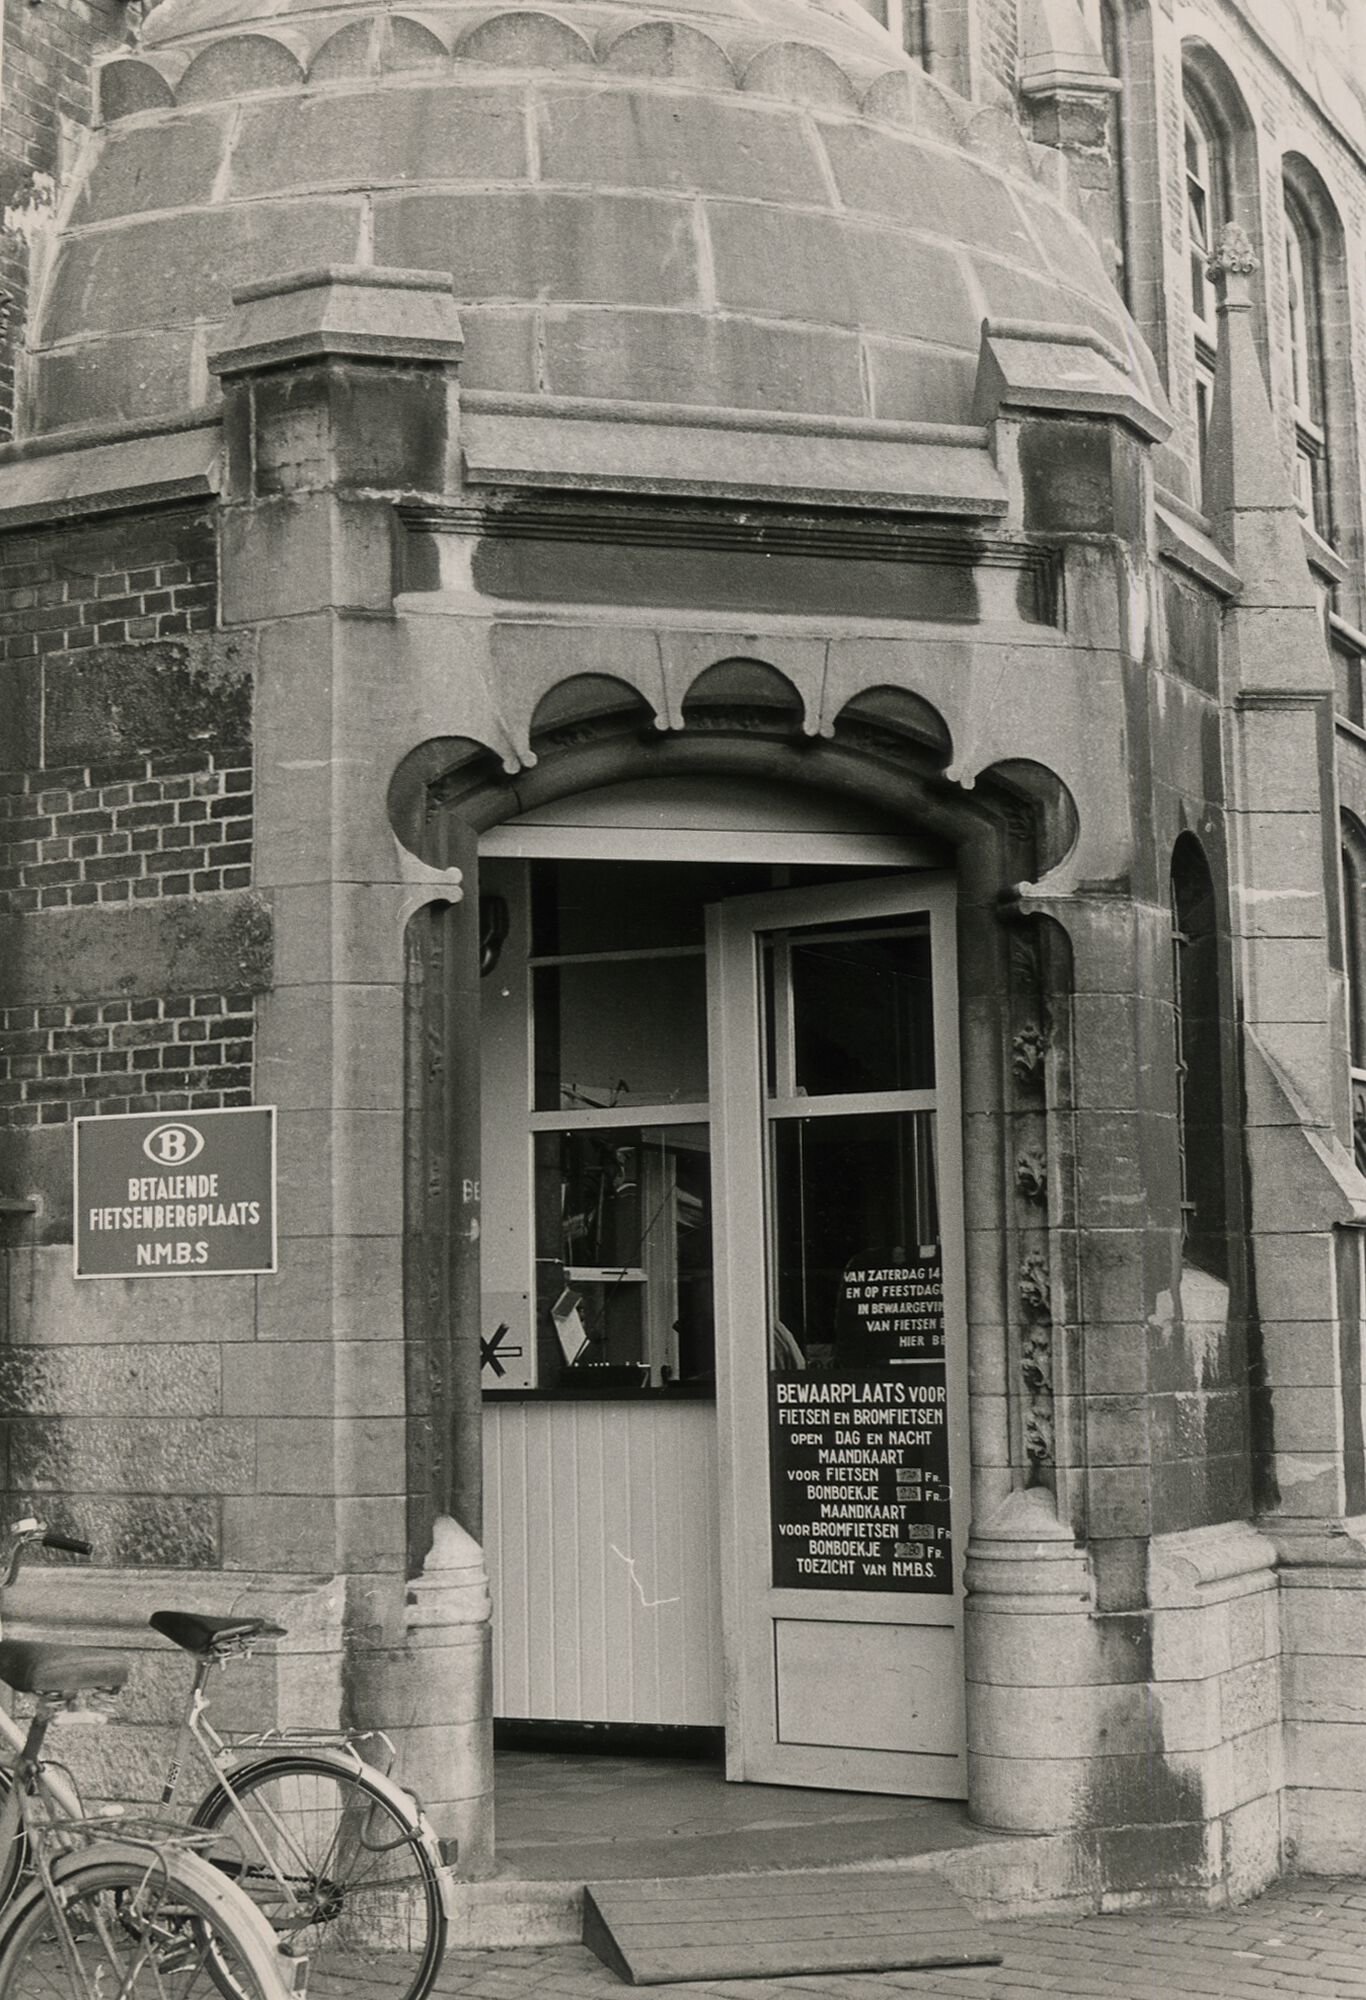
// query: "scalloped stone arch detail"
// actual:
[[527, 40], [465, 777], [995, 137], [898, 713], [802, 74], [740, 685], [586, 701], [348, 53], [411, 43], [238, 67], [130, 84], [905, 98], [1057, 822], [672, 51]]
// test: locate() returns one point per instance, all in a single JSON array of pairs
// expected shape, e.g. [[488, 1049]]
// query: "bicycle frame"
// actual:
[[197, 1735], [52, 1781]]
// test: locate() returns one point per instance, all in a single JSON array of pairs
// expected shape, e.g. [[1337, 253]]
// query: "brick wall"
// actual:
[[126, 796], [104, 585], [151, 826], [124, 1055], [1000, 41]]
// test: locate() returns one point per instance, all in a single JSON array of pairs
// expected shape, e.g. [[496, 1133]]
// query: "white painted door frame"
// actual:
[[764, 1626]]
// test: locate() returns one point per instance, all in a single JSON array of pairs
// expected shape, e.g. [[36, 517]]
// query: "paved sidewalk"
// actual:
[[1303, 1938]]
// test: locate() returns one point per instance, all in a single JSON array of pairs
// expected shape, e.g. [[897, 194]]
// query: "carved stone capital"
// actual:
[[1233, 254]]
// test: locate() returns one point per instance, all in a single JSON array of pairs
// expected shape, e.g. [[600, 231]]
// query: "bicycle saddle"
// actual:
[[32, 1668], [200, 1634]]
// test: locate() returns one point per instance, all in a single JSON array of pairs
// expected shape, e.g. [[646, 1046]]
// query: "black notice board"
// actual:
[[859, 1449]]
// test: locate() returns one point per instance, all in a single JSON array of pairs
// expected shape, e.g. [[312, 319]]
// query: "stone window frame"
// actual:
[[1109, 23], [1326, 429], [1123, 31], [1196, 1032], [1304, 353], [944, 30], [1215, 108], [1353, 848]]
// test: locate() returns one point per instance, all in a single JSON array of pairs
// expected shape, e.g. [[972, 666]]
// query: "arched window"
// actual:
[[1304, 309], [1222, 185], [1208, 208], [1353, 938], [1199, 1059], [1318, 376]]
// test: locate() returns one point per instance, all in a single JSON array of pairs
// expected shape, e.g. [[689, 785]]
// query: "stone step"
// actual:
[[998, 1876]]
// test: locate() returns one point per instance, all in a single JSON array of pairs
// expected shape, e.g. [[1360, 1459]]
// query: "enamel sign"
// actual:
[[175, 1194]]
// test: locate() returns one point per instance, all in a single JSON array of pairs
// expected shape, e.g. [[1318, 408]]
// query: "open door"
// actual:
[[841, 1352]]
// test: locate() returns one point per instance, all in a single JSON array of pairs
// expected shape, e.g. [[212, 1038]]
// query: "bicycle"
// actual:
[[341, 1860], [139, 1914]]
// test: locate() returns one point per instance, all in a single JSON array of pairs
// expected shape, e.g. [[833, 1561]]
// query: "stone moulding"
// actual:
[[270, 58], [585, 444], [103, 475]]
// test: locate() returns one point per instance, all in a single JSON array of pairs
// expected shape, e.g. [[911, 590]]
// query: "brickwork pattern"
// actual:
[[143, 827], [1000, 42], [104, 585], [87, 1057]]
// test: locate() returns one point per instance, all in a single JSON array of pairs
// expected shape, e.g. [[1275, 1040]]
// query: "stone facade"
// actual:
[[427, 424]]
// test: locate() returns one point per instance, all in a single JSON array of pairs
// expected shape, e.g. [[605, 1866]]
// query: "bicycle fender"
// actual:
[[243, 1912], [405, 1804]]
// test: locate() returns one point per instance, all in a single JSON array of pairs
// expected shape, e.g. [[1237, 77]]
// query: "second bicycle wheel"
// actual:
[[342, 1876], [129, 1923]]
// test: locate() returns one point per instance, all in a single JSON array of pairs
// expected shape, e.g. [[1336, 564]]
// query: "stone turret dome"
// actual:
[[754, 204]]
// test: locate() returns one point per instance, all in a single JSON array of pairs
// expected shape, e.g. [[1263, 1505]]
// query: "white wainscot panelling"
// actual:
[[601, 1534]]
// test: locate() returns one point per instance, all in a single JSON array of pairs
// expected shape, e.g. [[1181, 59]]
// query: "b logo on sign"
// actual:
[[173, 1144]]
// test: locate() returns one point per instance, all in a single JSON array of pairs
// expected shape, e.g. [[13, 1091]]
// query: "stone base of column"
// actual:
[[1156, 1732], [432, 1692], [1323, 1639]]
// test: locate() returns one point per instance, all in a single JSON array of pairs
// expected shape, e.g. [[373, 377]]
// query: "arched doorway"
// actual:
[[607, 787], [726, 1453]]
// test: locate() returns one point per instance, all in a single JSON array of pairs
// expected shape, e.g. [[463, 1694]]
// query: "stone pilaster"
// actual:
[[340, 403], [1307, 1199]]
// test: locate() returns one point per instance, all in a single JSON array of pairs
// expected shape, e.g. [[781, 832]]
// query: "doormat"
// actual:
[[765, 1926]]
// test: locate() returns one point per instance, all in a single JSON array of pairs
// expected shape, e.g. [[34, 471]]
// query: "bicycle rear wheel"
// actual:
[[344, 1877], [138, 1924]]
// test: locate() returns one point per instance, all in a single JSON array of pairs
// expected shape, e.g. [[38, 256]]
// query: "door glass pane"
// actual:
[[852, 1195], [623, 1258], [862, 1013], [623, 1031], [858, 1391]]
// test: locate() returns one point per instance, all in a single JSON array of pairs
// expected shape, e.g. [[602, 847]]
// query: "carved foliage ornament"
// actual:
[[1036, 1293], [1027, 1052], [1233, 254]]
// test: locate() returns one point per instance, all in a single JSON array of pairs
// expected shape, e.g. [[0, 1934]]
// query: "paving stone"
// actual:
[[1305, 1938]]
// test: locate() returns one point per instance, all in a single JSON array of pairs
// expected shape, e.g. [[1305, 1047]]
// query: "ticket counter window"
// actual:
[[597, 1181], [623, 1258]]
